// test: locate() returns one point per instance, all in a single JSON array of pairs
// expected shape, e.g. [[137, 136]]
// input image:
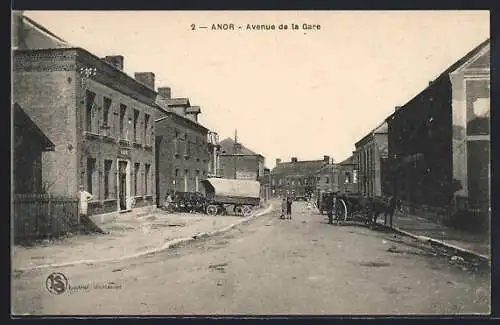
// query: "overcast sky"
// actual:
[[287, 92]]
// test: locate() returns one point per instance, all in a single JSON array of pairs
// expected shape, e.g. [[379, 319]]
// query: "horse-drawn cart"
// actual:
[[224, 195]]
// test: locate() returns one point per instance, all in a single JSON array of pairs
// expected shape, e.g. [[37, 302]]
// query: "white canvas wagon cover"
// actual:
[[235, 187]]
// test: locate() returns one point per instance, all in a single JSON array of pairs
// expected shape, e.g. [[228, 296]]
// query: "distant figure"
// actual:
[[283, 208], [289, 208], [330, 207], [85, 197], [168, 201]]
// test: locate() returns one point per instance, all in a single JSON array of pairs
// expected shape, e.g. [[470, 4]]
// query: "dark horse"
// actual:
[[380, 205]]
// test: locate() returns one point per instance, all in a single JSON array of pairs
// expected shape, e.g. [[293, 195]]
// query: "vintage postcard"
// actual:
[[251, 163]]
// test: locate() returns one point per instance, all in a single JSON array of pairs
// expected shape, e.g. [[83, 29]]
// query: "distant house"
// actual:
[[371, 156], [29, 143], [238, 162], [439, 141], [348, 175], [298, 178]]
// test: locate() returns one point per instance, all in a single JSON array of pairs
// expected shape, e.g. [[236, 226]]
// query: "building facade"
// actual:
[[182, 154], [99, 119], [238, 162], [439, 141], [371, 156], [297, 178], [347, 173]]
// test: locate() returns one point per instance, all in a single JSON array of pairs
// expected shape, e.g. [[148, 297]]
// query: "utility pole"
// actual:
[[235, 145]]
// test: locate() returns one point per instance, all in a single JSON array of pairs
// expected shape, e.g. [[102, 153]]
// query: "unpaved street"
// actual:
[[269, 266]]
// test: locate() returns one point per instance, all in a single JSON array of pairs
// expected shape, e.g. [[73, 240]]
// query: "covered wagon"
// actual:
[[225, 195]]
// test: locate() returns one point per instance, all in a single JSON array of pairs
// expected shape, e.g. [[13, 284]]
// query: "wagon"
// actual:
[[231, 195], [352, 207]]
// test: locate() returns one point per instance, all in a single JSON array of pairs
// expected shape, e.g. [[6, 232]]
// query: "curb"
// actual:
[[435, 242], [171, 244]]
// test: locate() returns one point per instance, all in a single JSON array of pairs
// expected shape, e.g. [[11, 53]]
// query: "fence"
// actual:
[[39, 215]]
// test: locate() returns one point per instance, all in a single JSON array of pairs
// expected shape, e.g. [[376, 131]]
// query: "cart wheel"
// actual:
[[341, 210], [212, 210], [247, 210], [238, 210]]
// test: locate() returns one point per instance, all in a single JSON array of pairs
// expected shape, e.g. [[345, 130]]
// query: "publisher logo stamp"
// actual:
[[56, 283]]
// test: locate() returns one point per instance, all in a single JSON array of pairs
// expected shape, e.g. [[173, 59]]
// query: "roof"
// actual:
[[234, 187], [227, 147], [445, 73], [178, 102], [162, 105], [26, 123], [348, 161], [305, 167], [381, 128], [40, 31]]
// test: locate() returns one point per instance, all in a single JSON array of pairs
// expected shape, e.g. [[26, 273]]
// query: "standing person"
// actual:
[[85, 197], [283, 208], [289, 208], [330, 207]]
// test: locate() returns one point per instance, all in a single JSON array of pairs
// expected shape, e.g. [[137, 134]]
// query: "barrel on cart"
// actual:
[[231, 196]]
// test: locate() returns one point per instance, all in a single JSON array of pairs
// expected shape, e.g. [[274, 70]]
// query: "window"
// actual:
[[91, 173], [136, 119], [354, 176], [186, 144], [107, 178], [177, 172], [146, 128], [89, 105], [123, 111], [477, 93], [197, 180], [147, 190], [105, 112], [176, 142], [327, 180], [136, 178], [347, 177], [186, 173]]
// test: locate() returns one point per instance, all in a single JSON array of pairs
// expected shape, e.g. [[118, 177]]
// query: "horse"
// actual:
[[381, 205]]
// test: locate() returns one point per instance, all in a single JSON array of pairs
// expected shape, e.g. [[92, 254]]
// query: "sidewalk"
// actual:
[[419, 226], [128, 235]]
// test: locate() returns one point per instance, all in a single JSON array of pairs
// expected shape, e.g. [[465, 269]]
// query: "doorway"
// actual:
[[123, 180]]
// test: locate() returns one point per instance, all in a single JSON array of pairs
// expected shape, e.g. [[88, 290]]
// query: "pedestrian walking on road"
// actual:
[[289, 208], [283, 208]]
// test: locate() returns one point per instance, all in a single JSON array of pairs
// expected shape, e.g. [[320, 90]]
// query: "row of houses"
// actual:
[[433, 151], [80, 120], [309, 178]]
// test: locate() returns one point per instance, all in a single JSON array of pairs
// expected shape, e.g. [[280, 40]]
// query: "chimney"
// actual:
[[237, 148], [430, 83], [326, 159], [115, 60], [165, 92], [146, 78], [278, 161], [396, 108], [294, 159]]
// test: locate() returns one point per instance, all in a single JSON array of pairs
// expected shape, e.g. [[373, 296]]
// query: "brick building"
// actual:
[[100, 120], [347, 173], [439, 141], [327, 177], [371, 156], [182, 154], [297, 178], [238, 162]]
